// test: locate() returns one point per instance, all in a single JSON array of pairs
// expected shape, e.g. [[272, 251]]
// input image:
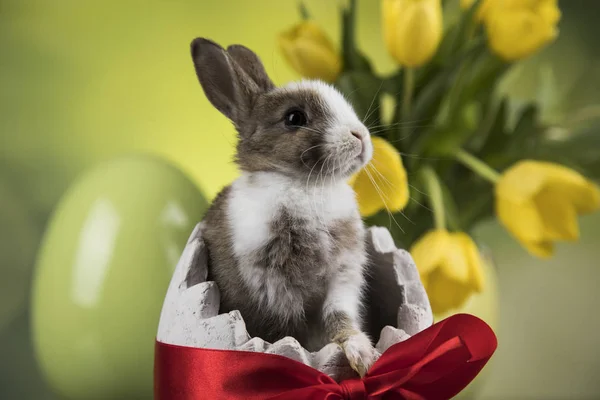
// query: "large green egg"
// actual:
[[103, 270]]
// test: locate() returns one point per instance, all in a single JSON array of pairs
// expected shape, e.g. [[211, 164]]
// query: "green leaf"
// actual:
[[506, 147], [450, 207], [428, 103], [477, 208], [363, 90], [416, 194], [393, 83], [548, 95], [579, 149], [447, 139], [495, 130], [476, 77], [447, 45], [428, 100], [458, 35], [395, 87], [526, 132]]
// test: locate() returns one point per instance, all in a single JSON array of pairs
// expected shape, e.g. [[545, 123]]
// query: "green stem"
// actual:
[[436, 197], [453, 103], [407, 96], [394, 133], [304, 14], [348, 44], [352, 6], [477, 166]]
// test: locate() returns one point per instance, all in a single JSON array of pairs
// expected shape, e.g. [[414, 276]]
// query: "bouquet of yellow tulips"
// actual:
[[468, 153]]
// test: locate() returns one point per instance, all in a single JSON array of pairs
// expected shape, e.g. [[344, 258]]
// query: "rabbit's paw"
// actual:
[[360, 353]]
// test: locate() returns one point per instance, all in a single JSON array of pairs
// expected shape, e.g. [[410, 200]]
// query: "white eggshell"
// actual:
[[190, 314]]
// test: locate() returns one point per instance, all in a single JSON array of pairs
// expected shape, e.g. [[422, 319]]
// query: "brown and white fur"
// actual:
[[286, 242]]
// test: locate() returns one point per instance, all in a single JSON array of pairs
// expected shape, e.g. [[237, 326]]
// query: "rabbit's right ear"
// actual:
[[252, 66], [225, 84]]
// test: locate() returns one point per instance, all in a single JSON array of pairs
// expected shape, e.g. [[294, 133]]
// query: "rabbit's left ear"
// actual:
[[252, 66], [231, 79]]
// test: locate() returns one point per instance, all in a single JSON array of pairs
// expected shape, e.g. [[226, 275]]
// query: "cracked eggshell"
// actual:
[[397, 303]]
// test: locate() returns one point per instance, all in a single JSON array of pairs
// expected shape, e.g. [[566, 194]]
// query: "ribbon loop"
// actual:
[[354, 389]]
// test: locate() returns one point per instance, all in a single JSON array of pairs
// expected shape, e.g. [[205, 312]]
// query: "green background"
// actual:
[[84, 82]]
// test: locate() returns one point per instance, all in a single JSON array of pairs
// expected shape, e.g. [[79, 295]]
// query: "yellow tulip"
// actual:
[[450, 267], [518, 28], [538, 202], [309, 51], [382, 183], [412, 29]]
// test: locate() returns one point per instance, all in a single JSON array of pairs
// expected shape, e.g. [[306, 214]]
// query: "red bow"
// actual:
[[436, 363]]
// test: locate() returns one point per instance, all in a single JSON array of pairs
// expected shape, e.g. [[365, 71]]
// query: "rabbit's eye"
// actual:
[[295, 118]]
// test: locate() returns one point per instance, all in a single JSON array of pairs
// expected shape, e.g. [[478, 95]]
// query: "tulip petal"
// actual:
[[550, 12], [382, 184], [445, 262], [520, 218], [584, 195], [518, 28], [558, 215], [446, 294], [286, 46], [455, 264], [538, 202], [309, 51], [389, 11], [428, 252], [314, 33], [539, 249], [474, 260], [352, 179], [412, 29], [315, 62], [521, 182]]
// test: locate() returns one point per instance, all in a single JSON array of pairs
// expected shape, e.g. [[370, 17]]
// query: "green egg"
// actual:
[[102, 272]]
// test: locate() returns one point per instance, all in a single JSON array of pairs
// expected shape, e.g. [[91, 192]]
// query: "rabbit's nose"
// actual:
[[356, 135], [360, 138]]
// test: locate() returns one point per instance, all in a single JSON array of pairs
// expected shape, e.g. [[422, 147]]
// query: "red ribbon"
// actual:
[[436, 363]]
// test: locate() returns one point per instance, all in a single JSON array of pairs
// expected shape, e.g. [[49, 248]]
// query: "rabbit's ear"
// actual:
[[224, 82], [251, 64]]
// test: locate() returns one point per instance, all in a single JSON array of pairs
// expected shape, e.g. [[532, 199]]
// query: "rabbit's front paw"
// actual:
[[360, 353]]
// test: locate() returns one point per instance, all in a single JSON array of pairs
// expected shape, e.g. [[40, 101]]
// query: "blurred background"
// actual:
[[109, 153]]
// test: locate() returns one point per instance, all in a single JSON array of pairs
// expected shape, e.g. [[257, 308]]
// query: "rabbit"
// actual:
[[286, 242]]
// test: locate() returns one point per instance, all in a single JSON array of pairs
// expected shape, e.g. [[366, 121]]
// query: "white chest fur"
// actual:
[[254, 202], [257, 199]]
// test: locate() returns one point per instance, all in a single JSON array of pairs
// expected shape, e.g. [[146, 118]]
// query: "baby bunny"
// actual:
[[285, 240]]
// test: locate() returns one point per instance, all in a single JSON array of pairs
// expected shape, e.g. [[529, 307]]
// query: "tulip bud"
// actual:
[[517, 28], [538, 202], [412, 30], [309, 52], [383, 183], [450, 267]]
